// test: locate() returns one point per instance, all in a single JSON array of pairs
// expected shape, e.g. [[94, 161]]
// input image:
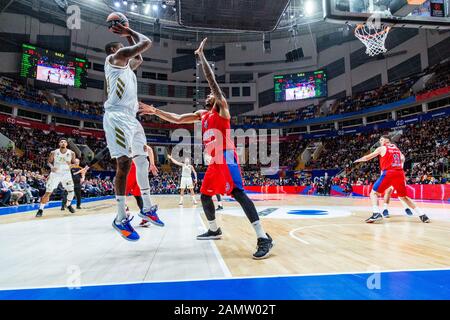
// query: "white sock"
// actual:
[[260, 233], [375, 209], [213, 225], [42, 206], [417, 211], [403, 204], [220, 203], [146, 199], [121, 209], [385, 206], [181, 199]]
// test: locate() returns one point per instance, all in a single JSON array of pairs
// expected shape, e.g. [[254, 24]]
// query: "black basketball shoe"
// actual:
[[210, 235], [263, 248], [71, 209], [375, 217], [39, 213], [424, 218], [219, 207]]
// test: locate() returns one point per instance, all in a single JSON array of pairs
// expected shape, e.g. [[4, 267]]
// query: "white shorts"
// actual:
[[55, 178], [186, 182], [124, 135]]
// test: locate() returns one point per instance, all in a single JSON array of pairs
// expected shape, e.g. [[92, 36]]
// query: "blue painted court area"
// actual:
[[52, 204], [309, 212], [399, 285]]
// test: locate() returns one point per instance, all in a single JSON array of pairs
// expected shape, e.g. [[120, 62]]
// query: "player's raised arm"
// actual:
[[370, 156], [174, 161], [145, 109], [142, 43], [137, 60], [209, 74]]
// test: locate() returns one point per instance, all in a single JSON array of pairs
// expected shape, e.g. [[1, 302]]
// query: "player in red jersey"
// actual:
[[223, 175], [392, 174]]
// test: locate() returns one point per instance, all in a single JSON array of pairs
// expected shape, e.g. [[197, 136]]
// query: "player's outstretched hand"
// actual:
[[145, 109], [358, 160], [153, 169], [121, 30], [199, 51]]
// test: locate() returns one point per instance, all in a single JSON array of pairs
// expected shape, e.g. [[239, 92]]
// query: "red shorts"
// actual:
[[222, 178], [394, 178], [132, 185]]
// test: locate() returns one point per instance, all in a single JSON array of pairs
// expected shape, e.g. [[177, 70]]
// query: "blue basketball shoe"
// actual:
[[152, 216], [126, 230]]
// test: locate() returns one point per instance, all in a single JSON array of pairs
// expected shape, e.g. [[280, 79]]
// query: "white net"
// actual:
[[372, 37]]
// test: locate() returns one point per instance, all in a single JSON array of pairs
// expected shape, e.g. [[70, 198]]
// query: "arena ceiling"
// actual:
[[299, 17]]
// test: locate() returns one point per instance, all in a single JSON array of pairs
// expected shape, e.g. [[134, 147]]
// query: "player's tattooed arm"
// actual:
[[74, 157], [126, 53], [370, 156], [137, 60], [145, 109], [51, 159], [221, 102]]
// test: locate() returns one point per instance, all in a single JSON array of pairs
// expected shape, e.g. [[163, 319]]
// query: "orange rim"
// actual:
[[360, 26]]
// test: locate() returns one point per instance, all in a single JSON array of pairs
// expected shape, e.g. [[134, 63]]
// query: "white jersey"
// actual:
[[121, 87], [62, 161], [186, 171]]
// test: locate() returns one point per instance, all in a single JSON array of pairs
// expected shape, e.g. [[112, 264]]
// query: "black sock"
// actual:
[[139, 202]]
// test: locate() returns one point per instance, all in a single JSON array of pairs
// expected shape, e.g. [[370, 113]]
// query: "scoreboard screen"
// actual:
[[299, 86], [54, 67]]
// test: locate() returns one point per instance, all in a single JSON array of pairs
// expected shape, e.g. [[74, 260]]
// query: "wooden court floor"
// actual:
[[312, 244]]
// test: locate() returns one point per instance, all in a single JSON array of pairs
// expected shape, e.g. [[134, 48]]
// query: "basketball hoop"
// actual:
[[372, 37]]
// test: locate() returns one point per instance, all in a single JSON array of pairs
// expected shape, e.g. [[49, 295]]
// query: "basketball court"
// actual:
[[319, 239], [323, 247]]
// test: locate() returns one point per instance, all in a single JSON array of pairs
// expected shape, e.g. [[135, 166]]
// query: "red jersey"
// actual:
[[216, 132], [392, 160]]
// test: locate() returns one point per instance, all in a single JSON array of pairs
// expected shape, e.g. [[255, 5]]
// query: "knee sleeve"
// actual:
[[246, 204], [142, 164], [208, 207]]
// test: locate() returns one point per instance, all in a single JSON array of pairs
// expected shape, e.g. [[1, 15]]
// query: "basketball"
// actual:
[[116, 18]]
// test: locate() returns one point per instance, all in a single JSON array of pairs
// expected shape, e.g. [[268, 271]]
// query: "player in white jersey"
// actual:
[[59, 162], [125, 136], [186, 178]]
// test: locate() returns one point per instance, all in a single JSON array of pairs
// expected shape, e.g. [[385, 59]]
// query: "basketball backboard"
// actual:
[[398, 13]]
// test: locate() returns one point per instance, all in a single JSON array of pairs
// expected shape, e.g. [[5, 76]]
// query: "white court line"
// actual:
[[292, 232], [223, 265]]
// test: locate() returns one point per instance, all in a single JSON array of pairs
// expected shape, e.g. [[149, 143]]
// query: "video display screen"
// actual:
[[299, 86], [54, 67]]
